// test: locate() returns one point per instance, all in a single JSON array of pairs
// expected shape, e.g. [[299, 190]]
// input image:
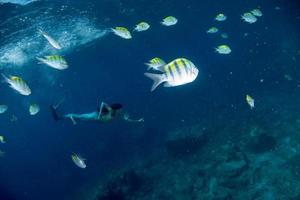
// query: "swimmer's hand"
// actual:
[[140, 120], [126, 118]]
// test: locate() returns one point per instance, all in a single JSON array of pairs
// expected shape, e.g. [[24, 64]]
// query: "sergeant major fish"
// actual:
[[212, 30], [257, 12], [122, 32], [155, 63], [54, 61], [18, 84], [34, 109], [178, 72], [221, 17], [2, 140], [51, 41], [79, 161], [169, 21], [143, 26], [250, 101], [249, 18], [3, 108], [223, 49]]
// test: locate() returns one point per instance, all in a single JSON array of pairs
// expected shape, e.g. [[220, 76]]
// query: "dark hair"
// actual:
[[116, 106]]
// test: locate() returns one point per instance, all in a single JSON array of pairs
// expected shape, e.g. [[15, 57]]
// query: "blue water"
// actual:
[[105, 67]]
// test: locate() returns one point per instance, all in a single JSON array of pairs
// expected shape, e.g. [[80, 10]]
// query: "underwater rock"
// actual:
[[186, 142], [123, 186], [262, 143]]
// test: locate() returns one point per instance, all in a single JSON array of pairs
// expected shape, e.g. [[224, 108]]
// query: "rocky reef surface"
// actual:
[[249, 155]]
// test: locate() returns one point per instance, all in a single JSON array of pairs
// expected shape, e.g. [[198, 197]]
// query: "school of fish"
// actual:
[[177, 72]]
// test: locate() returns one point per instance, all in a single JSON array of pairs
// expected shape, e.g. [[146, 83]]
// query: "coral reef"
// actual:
[[256, 159]]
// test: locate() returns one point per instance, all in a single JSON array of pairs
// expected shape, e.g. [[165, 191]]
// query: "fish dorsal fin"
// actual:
[[162, 68], [123, 29]]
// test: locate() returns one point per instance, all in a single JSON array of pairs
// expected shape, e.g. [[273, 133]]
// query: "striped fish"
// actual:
[[122, 32], [51, 41], [250, 101], [54, 61], [3, 108], [143, 26], [156, 64], [178, 72], [18, 84], [78, 160], [34, 109], [169, 21]]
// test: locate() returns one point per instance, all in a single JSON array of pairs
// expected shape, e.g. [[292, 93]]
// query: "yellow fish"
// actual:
[[18, 84], [212, 30], [178, 72], [155, 63], [78, 160], [34, 109], [223, 49], [221, 17], [122, 32], [143, 26], [3, 108], [250, 101], [2, 139], [54, 61], [169, 21]]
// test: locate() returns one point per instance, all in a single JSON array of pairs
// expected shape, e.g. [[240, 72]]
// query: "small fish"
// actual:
[[178, 72], [34, 109], [2, 139], [257, 13], [223, 49], [51, 41], [212, 30], [2, 153], [78, 161], [143, 26], [54, 61], [169, 21], [122, 32], [155, 63], [18, 84], [249, 18], [221, 17], [288, 77], [250, 101], [14, 118], [224, 35], [3, 108]]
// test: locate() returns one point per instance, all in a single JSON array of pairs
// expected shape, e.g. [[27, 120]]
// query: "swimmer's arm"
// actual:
[[127, 118], [101, 108]]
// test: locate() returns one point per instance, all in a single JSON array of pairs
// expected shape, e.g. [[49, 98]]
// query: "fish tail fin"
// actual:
[[157, 79], [40, 31], [5, 78], [149, 66], [41, 60]]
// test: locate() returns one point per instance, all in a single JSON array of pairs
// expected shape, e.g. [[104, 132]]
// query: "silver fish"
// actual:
[[178, 72], [54, 61], [51, 41], [79, 161]]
